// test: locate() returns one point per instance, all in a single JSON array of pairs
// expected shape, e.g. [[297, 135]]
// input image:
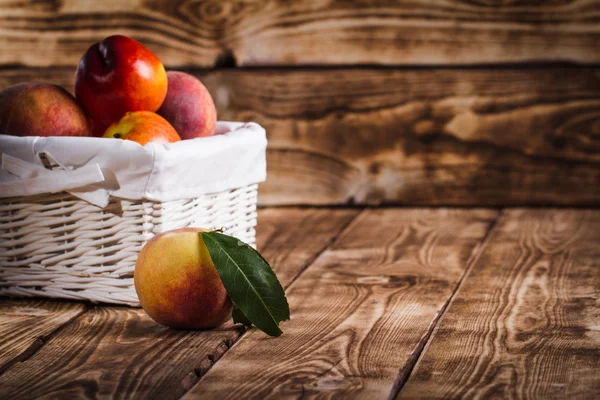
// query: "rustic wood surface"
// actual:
[[116, 352], [119, 352], [526, 321], [278, 32], [481, 136], [366, 103], [25, 325], [291, 238], [359, 312], [412, 303]]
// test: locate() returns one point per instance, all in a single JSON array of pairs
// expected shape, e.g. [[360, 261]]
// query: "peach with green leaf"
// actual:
[[193, 278], [177, 283]]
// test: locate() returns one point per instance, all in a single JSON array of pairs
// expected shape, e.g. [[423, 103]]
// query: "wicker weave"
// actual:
[[57, 245]]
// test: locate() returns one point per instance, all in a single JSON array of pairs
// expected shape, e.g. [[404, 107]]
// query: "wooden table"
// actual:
[[386, 302]]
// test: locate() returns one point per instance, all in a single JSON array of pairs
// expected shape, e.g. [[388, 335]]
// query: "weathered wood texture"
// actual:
[[433, 136], [291, 238], [526, 322], [25, 326], [359, 313], [278, 32], [497, 137], [118, 352]]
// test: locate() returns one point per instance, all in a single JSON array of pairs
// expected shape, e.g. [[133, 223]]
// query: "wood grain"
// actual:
[[478, 136], [526, 323], [358, 313], [423, 136], [118, 352], [25, 325], [291, 238], [322, 32]]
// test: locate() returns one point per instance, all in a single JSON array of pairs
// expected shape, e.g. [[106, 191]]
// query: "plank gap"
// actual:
[[347, 67], [40, 341], [413, 359], [227, 62], [332, 241], [523, 324], [392, 206]]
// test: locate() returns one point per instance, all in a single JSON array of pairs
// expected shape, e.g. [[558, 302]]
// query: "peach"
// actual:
[[188, 106], [178, 284], [118, 75], [142, 127], [41, 109]]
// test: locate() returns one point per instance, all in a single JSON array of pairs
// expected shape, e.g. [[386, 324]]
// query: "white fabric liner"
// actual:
[[235, 157]]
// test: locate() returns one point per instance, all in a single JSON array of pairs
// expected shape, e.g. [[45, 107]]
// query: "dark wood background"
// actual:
[[473, 102]]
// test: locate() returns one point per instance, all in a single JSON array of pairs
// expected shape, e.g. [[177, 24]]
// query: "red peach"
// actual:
[[119, 75], [41, 109], [188, 106]]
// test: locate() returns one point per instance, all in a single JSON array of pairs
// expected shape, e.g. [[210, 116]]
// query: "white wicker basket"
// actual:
[[58, 245]]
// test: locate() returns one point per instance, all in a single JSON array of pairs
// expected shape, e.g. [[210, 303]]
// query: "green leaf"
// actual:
[[249, 280], [239, 317]]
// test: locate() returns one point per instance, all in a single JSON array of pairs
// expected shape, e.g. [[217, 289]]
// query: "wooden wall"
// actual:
[[441, 102]]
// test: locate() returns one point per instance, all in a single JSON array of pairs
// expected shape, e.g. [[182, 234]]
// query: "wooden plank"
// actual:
[[25, 325], [423, 136], [120, 352], [481, 136], [525, 322], [279, 32], [358, 313], [291, 238]]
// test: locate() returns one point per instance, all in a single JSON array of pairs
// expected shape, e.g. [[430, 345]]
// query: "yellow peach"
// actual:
[[178, 284]]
